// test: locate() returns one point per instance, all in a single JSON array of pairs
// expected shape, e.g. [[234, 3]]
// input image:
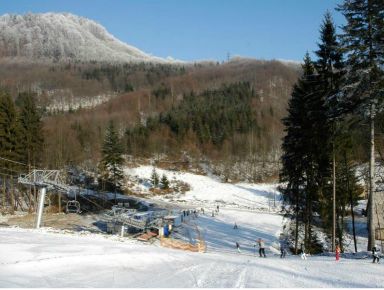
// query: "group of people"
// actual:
[[188, 213], [375, 253], [283, 242], [303, 255], [261, 244]]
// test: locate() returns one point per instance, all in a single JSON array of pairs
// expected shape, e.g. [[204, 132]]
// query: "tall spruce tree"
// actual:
[[330, 69], [31, 129], [112, 160], [9, 142], [330, 65], [296, 158], [363, 41], [9, 130]]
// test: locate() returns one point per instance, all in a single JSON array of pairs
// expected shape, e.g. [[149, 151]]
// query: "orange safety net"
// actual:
[[175, 244]]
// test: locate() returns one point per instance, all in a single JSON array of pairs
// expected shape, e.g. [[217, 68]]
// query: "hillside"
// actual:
[[53, 55], [63, 36], [160, 92]]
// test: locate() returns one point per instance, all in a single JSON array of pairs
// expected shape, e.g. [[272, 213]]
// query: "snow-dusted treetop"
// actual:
[[60, 36]]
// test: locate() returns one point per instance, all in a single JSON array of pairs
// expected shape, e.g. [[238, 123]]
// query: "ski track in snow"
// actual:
[[51, 258], [106, 263]]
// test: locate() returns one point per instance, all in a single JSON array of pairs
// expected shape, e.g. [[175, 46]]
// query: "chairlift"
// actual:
[[73, 206]]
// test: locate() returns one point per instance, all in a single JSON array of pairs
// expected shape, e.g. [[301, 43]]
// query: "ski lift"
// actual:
[[73, 206]]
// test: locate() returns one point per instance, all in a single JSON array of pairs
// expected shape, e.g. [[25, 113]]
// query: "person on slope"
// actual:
[[376, 254], [261, 247], [238, 247], [235, 226], [303, 254], [283, 251], [337, 252]]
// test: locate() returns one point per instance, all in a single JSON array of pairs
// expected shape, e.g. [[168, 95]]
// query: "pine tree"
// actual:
[[9, 129], [296, 158], [330, 69], [31, 129], [154, 178], [112, 159], [363, 41], [164, 182], [9, 141]]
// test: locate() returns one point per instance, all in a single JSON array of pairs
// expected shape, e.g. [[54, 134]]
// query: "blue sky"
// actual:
[[201, 29]]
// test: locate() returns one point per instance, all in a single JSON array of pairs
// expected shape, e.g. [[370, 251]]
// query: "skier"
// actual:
[[217, 208], [337, 252], [282, 249], [238, 247], [375, 254], [303, 254], [261, 247], [235, 226]]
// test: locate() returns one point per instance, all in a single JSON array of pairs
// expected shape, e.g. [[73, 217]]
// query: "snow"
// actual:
[[39, 258], [50, 257], [64, 36], [63, 100], [210, 191], [219, 234]]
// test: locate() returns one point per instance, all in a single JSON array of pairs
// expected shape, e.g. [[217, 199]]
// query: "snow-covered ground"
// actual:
[[57, 258], [210, 191], [37, 258]]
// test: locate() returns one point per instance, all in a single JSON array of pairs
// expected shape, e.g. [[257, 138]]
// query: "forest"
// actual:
[[55, 109], [334, 121]]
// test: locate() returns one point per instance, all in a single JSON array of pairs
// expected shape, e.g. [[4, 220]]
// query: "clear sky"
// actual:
[[201, 29]]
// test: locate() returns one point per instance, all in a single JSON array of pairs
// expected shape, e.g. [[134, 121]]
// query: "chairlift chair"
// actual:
[[73, 206]]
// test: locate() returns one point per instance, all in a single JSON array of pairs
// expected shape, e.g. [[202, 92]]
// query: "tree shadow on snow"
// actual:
[[220, 236]]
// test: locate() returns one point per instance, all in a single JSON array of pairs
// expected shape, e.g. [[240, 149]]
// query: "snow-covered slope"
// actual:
[[59, 258], [210, 191], [59, 36], [31, 258]]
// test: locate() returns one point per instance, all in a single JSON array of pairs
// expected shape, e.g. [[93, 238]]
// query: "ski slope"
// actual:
[[210, 191], [56, 258], [39, 258]]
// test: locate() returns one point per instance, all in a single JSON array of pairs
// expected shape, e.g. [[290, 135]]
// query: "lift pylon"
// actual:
[[44, 180]]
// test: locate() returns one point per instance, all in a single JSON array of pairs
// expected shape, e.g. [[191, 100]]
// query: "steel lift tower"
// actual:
[[43, 180]]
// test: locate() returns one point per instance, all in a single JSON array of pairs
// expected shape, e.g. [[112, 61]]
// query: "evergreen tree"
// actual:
[[154, 178], [297, 157], [112, 159], [31, 129], [330, 66], [9, 130], [164, 182], [330, 69], [363, 41]]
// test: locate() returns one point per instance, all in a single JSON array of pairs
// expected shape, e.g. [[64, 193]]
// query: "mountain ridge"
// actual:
[[64, 36]]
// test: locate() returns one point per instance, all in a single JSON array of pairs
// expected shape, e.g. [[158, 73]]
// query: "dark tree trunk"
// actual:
[[297, 220], [351, 202]]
